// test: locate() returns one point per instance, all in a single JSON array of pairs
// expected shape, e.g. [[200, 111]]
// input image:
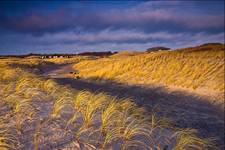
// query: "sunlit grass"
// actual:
[[116, 121], [23, 110], [7, 139], [97, 102], [63, 100], [187, 68], [109, 116], [88, 104], [187, 139], [127, 128], [50, 87]]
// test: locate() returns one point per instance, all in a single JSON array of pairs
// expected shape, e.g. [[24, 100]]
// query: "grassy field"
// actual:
[[196, 68], [38, 113]]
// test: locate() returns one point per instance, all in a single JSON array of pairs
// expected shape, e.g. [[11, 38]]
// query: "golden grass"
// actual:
[[123, 120], [7, 140], [126, 128], [64, 100], [50, 87], [195, 68], [96, 103], [109, 116], [24, 111], [187, 139], [19, 90], [33, 64], [88, 104], [118, 119]]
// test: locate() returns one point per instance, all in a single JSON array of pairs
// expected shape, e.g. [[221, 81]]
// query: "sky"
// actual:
[[78, 26]]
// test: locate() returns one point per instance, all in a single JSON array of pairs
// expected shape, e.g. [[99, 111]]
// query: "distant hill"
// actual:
[[204, 47], [212, 44]]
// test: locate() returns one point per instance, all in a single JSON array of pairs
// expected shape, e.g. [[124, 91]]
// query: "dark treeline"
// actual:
[[101, 54], [31, 54], [97, 53]]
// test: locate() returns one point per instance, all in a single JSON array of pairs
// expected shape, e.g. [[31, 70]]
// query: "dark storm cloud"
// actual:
[[36, 26], [144, 17], [34, 23]]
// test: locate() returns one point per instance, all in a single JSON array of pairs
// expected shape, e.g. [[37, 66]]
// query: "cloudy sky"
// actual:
[[70, 27]]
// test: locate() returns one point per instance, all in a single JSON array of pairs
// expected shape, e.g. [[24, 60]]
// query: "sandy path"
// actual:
[[185, 109], [57, 71]]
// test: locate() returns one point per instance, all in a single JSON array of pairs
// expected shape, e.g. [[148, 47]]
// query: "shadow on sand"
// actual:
[[185, 110]]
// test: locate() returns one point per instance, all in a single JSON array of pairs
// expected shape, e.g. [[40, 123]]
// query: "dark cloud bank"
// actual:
[[70, 28]]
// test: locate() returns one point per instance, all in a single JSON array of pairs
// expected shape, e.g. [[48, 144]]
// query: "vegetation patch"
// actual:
[[37, 113], [192, 68]]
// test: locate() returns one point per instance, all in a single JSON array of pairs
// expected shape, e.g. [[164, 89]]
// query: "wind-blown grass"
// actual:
[[124, 121], [63, 100], [7, 139], [187, 139], [109, 116], [116, 121], [195, 68]]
